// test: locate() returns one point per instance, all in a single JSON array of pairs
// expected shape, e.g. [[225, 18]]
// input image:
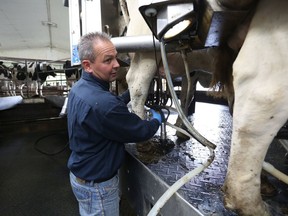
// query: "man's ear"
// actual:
[[86, 66]]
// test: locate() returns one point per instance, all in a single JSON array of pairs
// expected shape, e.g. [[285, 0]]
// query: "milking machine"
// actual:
[[163, 134], [192, 133]]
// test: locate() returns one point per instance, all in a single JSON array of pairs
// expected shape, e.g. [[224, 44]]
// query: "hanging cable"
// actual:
[[36, 147], [192, 133], [178, 184], [191, 129]]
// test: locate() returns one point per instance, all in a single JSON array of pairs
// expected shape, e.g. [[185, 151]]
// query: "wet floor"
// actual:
[[204, 191]]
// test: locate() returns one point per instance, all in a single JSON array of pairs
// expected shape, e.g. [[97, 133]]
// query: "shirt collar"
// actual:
[[92, 78]]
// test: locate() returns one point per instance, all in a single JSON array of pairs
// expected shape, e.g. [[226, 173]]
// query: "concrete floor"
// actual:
[[34, 182], [34, 179]]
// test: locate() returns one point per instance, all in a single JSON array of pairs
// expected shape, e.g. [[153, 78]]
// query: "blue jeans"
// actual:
[[97, 198]]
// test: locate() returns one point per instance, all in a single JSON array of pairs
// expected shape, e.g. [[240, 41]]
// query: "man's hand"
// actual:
[[156, 115]]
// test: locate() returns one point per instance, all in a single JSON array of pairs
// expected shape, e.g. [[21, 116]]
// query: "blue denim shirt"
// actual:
[[99, 123]]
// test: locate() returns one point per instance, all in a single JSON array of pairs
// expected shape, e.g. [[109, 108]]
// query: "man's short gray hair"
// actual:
[[86, 48]]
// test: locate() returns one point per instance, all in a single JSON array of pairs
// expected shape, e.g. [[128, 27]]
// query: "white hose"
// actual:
[[179, 129], [273, 171], [192, 130], [173, 189], [178, 184], [184, 57]]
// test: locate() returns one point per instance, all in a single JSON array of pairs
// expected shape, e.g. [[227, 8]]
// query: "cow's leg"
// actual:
[[255, 124], [261, 104], [36, 88], [260, 110], [140, 74], [40, 89], [21, 90]]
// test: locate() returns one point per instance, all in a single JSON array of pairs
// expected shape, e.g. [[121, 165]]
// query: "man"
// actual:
[[99, 123]]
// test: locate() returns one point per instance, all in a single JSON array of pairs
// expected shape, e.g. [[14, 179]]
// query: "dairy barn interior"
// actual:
[[34, 145]]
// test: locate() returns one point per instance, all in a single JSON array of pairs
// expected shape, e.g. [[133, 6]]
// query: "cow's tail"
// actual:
[[222, 79]]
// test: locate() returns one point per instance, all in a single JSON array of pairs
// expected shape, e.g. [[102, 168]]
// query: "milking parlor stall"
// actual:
[[169, 52]]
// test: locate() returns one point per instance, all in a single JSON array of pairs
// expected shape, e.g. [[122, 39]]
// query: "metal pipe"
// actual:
[[142, 43]]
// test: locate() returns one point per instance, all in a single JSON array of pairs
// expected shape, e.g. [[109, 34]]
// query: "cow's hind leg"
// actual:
[[259, 113], [261, 103]]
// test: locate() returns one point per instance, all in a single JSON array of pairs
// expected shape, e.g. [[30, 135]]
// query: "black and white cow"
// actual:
[[31, 75], [72, 73], [37, 75], [6, 83]]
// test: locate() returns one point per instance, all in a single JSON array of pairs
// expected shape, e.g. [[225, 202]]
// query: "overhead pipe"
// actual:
[[142, 43]]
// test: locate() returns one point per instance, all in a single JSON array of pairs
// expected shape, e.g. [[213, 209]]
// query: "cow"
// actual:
[[6, 84], [143, 66], [72, 73], [260, 74], [259, 90], [19, 78], [37, 75], [32, 75]]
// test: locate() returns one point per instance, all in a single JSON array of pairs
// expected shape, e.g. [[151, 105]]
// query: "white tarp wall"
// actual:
[[34, 30]]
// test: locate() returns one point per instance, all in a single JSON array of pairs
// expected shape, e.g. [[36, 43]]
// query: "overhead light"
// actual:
[[168, 19], [177, 29]]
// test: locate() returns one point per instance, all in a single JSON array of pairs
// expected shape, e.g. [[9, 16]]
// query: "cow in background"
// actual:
[[6, 84], [72, 73], [19, 76], [32, 75], [37, 75]]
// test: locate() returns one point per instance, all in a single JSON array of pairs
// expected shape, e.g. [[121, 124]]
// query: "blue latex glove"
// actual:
[[156, 115]]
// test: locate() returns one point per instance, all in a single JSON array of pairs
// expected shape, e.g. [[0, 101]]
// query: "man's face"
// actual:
[[105, 65]]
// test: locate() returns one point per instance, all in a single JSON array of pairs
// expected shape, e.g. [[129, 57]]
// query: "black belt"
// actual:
[[82, 181]]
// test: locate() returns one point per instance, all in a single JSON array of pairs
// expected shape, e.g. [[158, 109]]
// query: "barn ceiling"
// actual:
[[34, 29]]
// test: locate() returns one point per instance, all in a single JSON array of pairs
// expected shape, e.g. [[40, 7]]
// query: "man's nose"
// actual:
[[116, 64]]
